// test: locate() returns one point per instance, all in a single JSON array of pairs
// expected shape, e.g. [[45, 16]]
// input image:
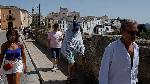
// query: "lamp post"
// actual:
[[39, 17], [36, 32]]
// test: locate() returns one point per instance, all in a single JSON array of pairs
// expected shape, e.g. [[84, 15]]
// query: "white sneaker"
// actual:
[[55, 68]]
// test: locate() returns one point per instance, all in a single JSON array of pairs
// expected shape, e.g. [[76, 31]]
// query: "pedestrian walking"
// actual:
[[55, 38], [120, 60], [13, 57], [72, 47]]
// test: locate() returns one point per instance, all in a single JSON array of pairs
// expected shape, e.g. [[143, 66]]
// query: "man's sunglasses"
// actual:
[[132, 32]]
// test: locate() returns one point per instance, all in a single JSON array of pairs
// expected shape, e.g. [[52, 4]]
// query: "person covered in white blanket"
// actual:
[[72, 46]]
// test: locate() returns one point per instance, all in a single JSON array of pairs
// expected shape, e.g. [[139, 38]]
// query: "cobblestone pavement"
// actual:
[[31, 77]]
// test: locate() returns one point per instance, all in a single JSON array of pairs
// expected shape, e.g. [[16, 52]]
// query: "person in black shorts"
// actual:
[[55, 38]]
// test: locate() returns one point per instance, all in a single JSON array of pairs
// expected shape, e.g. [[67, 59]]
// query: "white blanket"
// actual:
[[72, 43]]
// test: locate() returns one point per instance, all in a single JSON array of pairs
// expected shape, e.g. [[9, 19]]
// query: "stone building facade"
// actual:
[[0, 18], [12, 16], [62, 17]]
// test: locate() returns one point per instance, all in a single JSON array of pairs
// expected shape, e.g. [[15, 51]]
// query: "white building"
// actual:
[[95, 25], [116, 23], [0, 18], [63, 24]]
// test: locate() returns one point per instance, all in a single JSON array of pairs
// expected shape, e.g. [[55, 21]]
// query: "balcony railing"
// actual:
[[10, 18]]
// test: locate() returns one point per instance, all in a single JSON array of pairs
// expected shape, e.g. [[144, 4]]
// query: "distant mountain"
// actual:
[[147, 26]]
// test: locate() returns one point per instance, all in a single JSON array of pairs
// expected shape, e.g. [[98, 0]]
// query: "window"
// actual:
[[59, 21], [107, 28], [9, 11]]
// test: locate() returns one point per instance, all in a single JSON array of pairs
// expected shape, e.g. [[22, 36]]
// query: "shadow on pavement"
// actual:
[[62, 65], [55, 82], [44, 69], [32, 72]]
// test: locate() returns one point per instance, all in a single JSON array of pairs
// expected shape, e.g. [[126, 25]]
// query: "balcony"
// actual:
[[10, 18]]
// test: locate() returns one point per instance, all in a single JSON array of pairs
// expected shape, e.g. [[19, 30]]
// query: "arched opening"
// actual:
[[96, 28], [10, 25]]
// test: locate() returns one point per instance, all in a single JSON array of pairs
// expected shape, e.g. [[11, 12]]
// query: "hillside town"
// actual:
[[21, 18]]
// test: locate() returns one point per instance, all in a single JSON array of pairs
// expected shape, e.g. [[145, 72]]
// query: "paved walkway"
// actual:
[[32, 76], [43, 65]]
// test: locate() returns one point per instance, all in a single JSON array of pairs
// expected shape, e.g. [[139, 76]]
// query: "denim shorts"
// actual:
[[55, 52]]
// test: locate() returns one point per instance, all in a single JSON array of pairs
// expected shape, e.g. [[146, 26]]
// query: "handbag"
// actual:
[[7, 66]]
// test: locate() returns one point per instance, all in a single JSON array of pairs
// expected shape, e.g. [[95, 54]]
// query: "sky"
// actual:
[[138, 10]]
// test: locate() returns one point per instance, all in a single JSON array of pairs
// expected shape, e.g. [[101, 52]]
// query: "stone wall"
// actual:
[[42, 38], [144, 67], [95, 46]]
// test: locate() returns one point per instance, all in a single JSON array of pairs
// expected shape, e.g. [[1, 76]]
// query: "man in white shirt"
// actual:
[[120, 60]]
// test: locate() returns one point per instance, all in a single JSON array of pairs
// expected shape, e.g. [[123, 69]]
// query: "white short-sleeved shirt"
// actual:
[[54, 39], [116, 65]]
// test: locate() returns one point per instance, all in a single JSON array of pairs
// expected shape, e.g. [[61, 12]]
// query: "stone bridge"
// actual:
[[95, 46]]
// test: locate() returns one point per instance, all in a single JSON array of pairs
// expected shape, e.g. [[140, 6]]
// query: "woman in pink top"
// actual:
[[54, 44]]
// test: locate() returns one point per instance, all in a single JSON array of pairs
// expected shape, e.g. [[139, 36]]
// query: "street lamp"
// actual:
[[39, 20], [39, 17]]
